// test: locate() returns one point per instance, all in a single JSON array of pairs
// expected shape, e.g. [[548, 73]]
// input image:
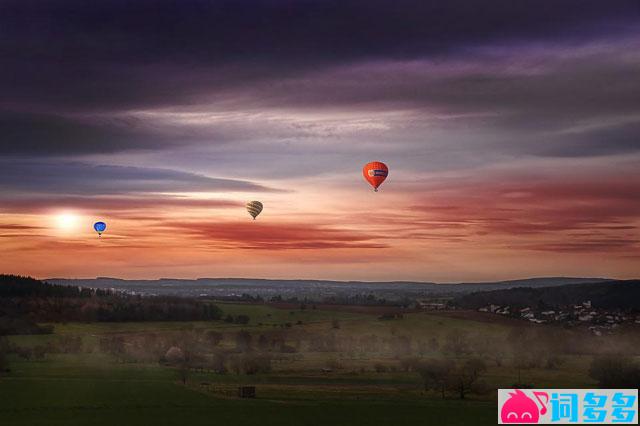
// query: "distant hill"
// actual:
[[615, 294], [319, 290]]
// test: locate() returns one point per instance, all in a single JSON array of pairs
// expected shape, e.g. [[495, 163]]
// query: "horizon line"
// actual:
[[344, 281]]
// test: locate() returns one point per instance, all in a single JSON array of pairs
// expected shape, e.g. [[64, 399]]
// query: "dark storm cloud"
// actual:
[[41, 135], [122, 54], [618, 139], [75, 178], [64, 63], [565, 100]]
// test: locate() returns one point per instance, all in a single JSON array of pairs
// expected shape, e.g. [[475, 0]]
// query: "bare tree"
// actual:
[[183, 360], [467, 375], [436, 374], [524, 350], [184, 369], [218, 362]]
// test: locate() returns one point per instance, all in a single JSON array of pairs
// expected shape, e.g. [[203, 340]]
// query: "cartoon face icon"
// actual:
[[519, 408]]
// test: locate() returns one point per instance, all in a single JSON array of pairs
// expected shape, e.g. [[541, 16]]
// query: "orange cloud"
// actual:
[[278, 236]]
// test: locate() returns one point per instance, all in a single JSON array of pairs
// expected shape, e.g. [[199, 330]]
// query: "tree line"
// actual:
[[25, 301]]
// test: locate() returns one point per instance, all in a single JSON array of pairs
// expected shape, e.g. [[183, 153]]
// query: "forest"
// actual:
[[25, 301]]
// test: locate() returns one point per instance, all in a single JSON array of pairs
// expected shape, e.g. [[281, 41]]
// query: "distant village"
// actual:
[[598, 320], [584, 314]]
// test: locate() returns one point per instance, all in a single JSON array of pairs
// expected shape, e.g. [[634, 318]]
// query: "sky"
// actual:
[[510, 129]]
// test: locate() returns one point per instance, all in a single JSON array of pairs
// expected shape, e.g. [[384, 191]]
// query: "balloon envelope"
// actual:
[[254, 208], [100, 227], [375, 173]]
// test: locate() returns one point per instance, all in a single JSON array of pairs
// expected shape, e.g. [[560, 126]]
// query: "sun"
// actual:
[[67, 221]]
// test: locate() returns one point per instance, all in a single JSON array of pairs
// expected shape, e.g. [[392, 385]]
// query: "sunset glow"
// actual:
[[511, 153], [67, 221]]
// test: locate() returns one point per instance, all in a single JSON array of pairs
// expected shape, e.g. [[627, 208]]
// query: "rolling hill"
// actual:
[[623, 294]]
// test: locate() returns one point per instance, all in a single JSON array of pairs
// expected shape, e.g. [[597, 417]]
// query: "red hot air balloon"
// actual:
[[375, 173]]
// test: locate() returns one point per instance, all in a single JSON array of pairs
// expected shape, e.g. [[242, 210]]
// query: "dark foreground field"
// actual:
[[143, 399], [301, 384]]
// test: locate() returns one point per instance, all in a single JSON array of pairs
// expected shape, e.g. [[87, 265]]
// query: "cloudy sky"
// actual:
[[510, 128]]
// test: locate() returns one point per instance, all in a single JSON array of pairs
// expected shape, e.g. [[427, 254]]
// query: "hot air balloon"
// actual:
[[375, 173], [254, 208], [100, 227]]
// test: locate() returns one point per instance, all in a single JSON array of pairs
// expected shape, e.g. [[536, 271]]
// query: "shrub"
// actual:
[[615, 371]]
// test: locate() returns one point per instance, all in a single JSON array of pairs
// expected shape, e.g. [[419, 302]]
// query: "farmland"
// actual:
[[322, 366]]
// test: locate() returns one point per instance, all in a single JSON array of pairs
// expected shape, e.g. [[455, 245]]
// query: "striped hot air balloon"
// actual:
[[375, 173], [254, 208]]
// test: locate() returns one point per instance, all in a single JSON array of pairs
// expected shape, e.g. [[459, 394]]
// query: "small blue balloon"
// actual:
[[99, 227]]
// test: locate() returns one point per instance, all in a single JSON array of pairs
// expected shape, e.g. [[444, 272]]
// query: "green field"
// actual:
[[343, 387]]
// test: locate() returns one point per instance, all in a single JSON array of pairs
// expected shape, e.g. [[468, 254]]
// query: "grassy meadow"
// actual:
[[351, 381]]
